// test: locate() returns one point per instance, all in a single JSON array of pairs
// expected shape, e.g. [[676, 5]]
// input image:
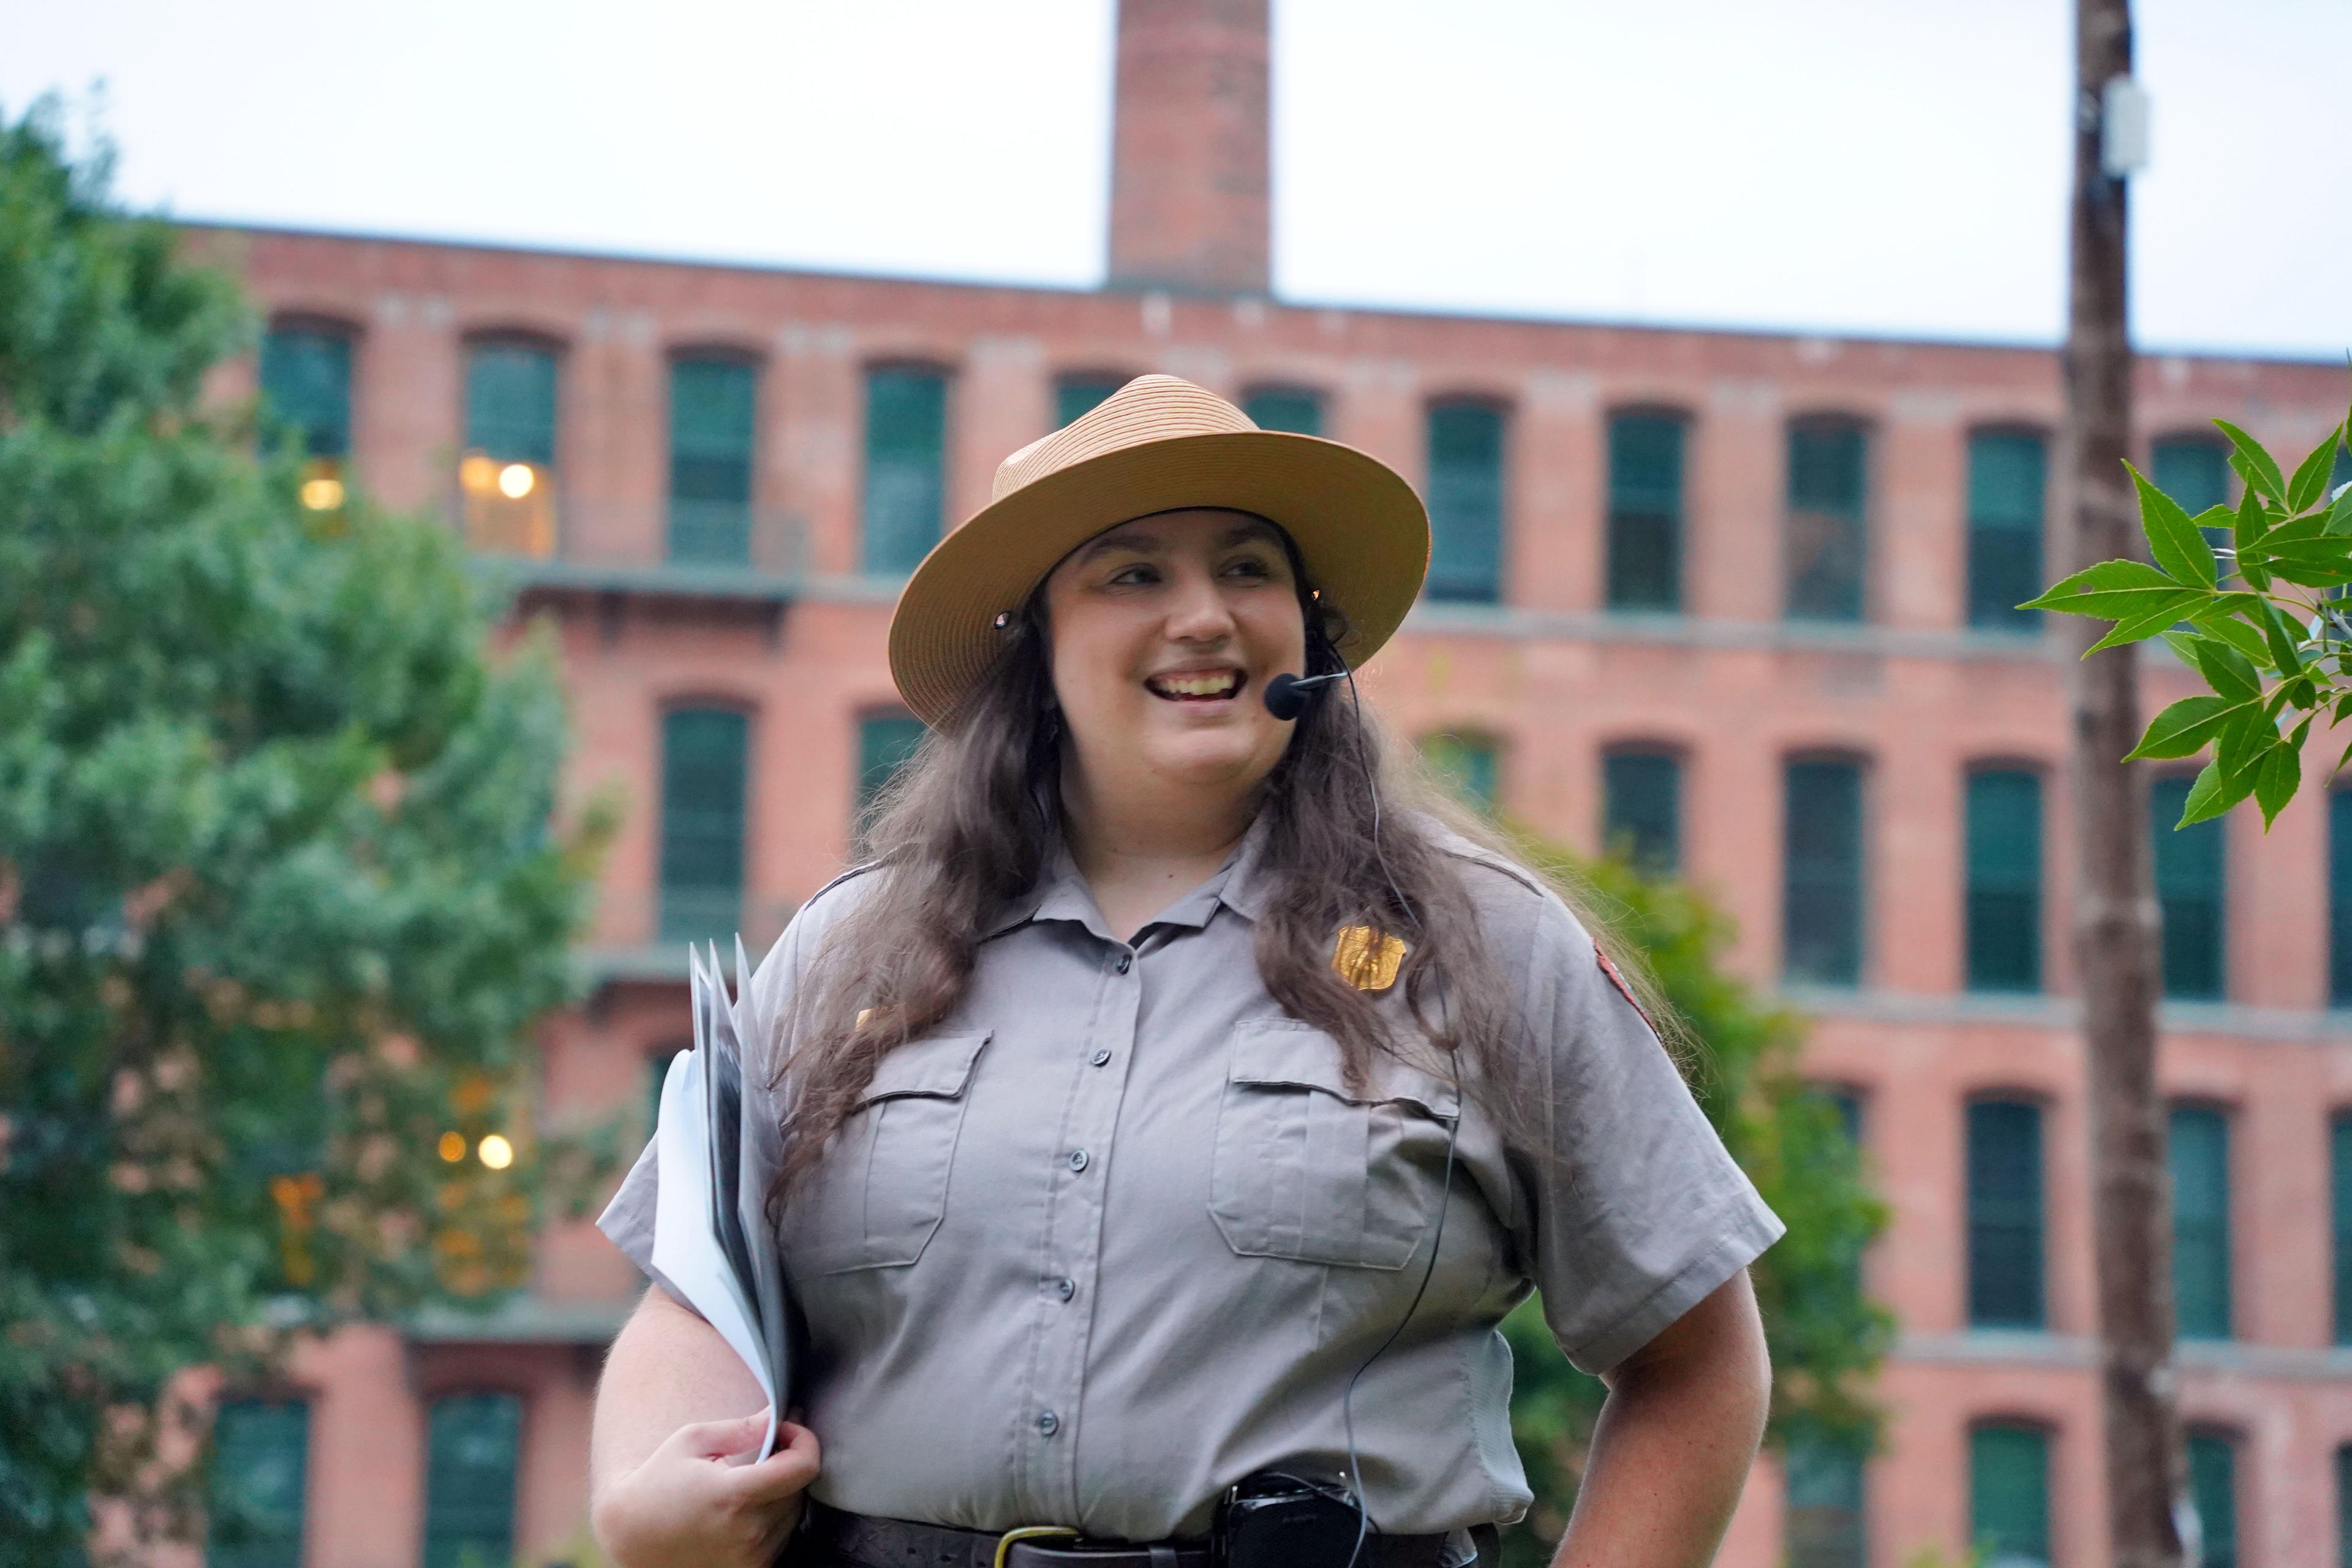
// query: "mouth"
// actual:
[[1197, 685]]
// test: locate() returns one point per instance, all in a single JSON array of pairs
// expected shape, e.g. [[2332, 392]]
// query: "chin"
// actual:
[[1212, 757]]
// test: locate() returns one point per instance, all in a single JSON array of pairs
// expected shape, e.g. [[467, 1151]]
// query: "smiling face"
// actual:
[[1164, 632]]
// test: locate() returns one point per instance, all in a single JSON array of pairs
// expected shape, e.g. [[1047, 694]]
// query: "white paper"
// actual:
[[686, 1251]]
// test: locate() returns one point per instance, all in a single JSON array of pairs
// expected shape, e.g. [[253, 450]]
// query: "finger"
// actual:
[[788, 1470], [717, 1439]]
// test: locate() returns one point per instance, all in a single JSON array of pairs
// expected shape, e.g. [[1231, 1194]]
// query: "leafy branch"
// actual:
[[2275, 659]]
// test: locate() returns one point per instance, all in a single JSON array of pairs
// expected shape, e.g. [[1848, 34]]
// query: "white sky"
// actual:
[[1884, 167]]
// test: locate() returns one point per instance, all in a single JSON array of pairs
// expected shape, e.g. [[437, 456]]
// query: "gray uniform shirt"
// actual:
[[1117, 1233]]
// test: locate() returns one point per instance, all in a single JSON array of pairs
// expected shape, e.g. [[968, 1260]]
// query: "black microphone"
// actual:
[[1286, 695]]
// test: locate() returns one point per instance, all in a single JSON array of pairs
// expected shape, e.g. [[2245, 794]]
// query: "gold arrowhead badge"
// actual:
[[1367, 958]]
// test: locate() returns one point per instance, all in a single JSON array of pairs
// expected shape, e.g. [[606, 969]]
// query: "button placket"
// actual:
[[1074, 1262]]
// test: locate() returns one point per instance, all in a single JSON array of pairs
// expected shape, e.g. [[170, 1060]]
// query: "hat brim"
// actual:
[[1360, 527]]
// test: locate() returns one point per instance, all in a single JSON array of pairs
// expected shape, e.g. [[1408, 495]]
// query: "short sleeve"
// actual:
[[628, 1220], [1636, 1211]]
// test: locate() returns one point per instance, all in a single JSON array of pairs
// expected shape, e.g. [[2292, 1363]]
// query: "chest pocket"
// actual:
[[874, 1199], [1307, 1168]]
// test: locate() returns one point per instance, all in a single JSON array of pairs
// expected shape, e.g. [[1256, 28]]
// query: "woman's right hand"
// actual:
[[686, 1507]]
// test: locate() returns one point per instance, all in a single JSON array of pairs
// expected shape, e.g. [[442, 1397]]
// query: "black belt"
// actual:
[[861, 1540]]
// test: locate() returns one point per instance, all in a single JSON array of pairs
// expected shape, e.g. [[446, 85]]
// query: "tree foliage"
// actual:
[[2231, 612], [1826, 1338], [281, 894]]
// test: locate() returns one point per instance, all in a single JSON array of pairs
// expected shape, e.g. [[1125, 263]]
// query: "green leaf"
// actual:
[[2211, 794], [2338, 768], [2339, 515], [2228, 672], [2322, 564], [2275, 782], [2183, 729], [2284, 640], [2259, 467], [2172, 537], [2238, 748], [2183, 645], [2310, 481], [2089, 591], [2253, 521], [2146, 622], [2236, 632]]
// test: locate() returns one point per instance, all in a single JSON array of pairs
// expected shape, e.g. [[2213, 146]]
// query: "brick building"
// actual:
[[1739, 599]]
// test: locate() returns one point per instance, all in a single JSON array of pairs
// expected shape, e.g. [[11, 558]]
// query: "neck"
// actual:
[[1150, 831]]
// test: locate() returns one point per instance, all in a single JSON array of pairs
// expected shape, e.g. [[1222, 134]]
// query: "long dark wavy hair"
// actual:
[[967, 825]]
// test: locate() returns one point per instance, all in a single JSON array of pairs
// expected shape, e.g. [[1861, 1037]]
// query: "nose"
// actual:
[[1197, 611]]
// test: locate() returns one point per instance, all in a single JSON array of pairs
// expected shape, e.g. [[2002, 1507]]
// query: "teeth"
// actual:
[[1195, 685]]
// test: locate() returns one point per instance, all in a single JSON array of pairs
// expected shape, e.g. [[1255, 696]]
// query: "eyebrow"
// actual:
[[1143, 542]]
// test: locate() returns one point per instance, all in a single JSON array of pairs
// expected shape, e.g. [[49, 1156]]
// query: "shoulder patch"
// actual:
[[1618, 980]]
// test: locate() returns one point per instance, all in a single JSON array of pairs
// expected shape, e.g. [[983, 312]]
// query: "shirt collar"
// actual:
[[1061, 893]]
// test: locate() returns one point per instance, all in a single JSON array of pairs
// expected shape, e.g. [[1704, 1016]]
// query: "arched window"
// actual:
[[1827, 520], [702, 797], [2008, 475], [1822, 868], [1293, 409], [2198, 1150], [711, 429], [2005, 1225], [1641, 808], [2213, 1488], [306, 380], [2004, 880], [905, 466], [2191, 885], [1081, 393], [2008, 1492], [260, 1470], [1645, 512], [507, 478], [1466, 502], [471, 1443]]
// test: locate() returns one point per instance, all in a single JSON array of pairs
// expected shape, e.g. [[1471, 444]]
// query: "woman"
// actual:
[[1169, 1105]]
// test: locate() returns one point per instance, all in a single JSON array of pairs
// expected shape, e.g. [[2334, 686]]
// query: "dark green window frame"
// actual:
[[306, 378], [1640, 809], [1827, 1502], [2008, 483], [905, 497], [473, 1446], [1645, 511], [2344, 1506], [258, 1481], [1827, 541], [704, 780], [2009, 1491], [1466, 444], [886, 743], [2005, 1244], [1296, 409], [2192, 892], [2339, 1186], [1470, 764], [2197, 1151], [510, 401], [1078, 394], [2213, 1488], [713, 404], [1822, 871], [2003, 927], [2339, 896]]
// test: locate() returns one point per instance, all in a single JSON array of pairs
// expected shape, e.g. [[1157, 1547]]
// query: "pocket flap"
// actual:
[[1288, 1053], [936, 1065]]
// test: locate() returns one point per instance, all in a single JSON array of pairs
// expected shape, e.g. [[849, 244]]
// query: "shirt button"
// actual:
[[1065, 1289], [1049, 1424], [1100, 1058], [1077, 1159], [1126, 960]]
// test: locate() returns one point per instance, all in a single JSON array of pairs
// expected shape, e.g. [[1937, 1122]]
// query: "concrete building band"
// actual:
[[1740, 604]]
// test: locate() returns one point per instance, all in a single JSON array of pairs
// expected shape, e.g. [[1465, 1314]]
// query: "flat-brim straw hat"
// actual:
[[1158, 444]]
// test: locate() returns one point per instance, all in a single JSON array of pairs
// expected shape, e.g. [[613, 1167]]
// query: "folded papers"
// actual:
[[712, 1245]]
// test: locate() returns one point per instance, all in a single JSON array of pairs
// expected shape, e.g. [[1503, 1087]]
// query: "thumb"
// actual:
[[788, 1470], [717, 1439]]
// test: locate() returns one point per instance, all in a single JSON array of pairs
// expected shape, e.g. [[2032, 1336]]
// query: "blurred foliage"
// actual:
[[2222, 594], [1741, 1056], [281, 894]]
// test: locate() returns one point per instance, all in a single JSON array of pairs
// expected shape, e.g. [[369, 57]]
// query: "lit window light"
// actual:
[[496, 1151], [515, 480], [323, 495], [452, 1147]]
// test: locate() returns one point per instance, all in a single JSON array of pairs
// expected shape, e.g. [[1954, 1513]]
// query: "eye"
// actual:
[[1252, 566], [1136, 572]]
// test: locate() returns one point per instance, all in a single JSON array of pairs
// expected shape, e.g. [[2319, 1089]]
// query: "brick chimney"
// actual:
[[1190, 159]]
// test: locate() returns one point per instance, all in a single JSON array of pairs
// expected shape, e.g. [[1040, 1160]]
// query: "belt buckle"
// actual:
[[1029, 1533]]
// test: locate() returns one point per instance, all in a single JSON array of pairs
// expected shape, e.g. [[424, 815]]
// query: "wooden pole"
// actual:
[[2115, 917]]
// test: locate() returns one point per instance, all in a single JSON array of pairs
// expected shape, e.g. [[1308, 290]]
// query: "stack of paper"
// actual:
[[712, 1245]]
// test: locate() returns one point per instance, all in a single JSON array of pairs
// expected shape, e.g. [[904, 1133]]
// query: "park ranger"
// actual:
[[1158, 1130]]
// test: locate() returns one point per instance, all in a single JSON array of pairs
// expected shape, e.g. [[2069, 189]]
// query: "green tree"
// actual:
[[1742, 1058], [281, 892], [2222, 589]]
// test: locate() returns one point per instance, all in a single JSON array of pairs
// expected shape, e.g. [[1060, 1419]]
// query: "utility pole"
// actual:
[[2115, 931]]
